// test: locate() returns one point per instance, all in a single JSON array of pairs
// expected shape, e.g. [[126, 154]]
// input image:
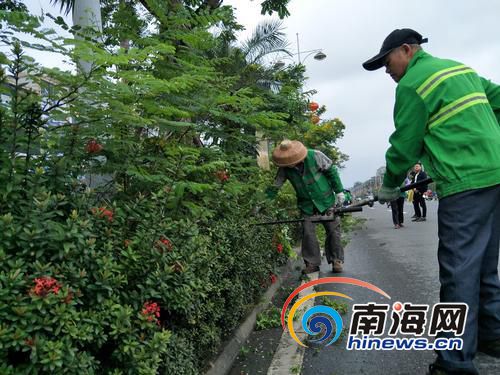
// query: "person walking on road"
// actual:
[[397, 207], [318, 189], [409, 180], [418, 194], [447, 116]]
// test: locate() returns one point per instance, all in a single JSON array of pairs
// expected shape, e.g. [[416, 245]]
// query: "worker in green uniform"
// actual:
[[447, 116], [318, 189]]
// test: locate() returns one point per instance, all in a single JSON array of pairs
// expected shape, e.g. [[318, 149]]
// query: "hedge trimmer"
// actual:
[[370, 202], [316, 218]]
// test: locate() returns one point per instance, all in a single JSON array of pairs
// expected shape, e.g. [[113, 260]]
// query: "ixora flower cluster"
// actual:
[[93, 147], [164, 242], [151, 311], [44, 286], [103, 212], [222, 175], [48, 285]]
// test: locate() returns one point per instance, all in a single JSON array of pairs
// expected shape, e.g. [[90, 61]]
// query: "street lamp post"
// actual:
[[263, 148], [318, 55]]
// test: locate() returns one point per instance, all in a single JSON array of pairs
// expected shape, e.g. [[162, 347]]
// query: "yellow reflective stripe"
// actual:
[[434, 77], [437, 78], [457, 106]]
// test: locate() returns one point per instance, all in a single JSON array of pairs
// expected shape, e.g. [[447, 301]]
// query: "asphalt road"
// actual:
[[403, 263]]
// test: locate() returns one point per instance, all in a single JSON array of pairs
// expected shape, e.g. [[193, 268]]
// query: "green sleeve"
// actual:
[[493, 93], [334, 179], [410, 120]]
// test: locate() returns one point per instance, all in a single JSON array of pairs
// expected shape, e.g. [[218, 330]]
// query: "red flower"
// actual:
[[273, 278], [223, 176], [151, 311], [92, 147], [127, 243], [29, 341], [45, 285], [279, 248], [165, 242], [103, 212]]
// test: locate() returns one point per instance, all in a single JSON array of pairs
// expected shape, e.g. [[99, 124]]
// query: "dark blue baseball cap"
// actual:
[[394, 40]]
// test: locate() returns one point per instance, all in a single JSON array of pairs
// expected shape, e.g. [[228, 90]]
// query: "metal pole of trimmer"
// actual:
[[403, 189], [316, 218]]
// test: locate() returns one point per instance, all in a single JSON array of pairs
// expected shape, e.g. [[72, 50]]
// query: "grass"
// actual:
[[341, 307], [269, 318]]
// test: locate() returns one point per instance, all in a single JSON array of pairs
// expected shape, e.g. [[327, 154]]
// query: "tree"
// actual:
[[91, 268], [86, 15], [13, 5]]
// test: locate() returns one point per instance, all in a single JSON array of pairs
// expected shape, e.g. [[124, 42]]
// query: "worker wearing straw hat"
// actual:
[[318, 188]]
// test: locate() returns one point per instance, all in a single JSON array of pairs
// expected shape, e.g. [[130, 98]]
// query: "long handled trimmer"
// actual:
[[316, 218], [357, 207], [403, 189]]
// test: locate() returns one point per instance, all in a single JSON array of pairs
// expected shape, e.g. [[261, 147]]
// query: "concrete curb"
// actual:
[[224, 362], [289, 355]]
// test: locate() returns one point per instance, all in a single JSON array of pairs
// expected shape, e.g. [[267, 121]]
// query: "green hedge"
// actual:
[[78, 283], [147, 271]]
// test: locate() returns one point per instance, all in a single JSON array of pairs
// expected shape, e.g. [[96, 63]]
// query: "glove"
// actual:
[[386, 194], [339, 199], [271, 192]]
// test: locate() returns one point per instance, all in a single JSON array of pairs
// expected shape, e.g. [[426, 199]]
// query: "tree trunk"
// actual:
[[87, 13], [263, 151]]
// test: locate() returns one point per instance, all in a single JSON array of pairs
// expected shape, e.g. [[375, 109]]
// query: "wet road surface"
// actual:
[[402, 262]]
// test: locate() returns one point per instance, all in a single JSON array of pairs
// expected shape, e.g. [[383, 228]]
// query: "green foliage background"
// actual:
[[175, 107]]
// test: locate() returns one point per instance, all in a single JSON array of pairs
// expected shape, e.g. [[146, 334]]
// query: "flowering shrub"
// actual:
[[44, 286], [222, 176], [151, 311], [103, 213], [137, 257], [92, 147], [164, 243]]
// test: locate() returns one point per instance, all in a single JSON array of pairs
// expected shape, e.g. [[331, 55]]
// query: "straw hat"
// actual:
[[289, 153]]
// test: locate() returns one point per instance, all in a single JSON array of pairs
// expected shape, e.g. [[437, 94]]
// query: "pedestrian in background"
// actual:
[[447, 116], [418, 194], [408, 181], [397, 208]]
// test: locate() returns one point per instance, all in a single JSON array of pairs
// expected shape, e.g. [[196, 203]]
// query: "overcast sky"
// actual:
[[351, 31]]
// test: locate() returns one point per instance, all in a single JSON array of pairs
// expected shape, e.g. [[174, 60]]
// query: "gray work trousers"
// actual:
[[469, 234], [310, 246]]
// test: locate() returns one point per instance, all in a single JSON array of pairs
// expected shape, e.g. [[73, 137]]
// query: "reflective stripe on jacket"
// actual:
[[446, 116]]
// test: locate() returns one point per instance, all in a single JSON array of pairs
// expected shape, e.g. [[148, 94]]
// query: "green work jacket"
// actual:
[[447, 117], [314, 187]]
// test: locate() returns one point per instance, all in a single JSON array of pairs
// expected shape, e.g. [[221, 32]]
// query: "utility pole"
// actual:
[[87, 13], [298, 49]]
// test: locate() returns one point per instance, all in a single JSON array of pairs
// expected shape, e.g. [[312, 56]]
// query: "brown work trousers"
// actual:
[[310, 245]]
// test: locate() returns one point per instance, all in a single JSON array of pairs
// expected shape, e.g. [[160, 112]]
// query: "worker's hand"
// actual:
[[339, 199], [271, 192], [386, 194]]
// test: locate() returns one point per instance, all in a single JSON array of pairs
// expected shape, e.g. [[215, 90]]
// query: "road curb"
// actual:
[[289, 355], [225, 360]]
